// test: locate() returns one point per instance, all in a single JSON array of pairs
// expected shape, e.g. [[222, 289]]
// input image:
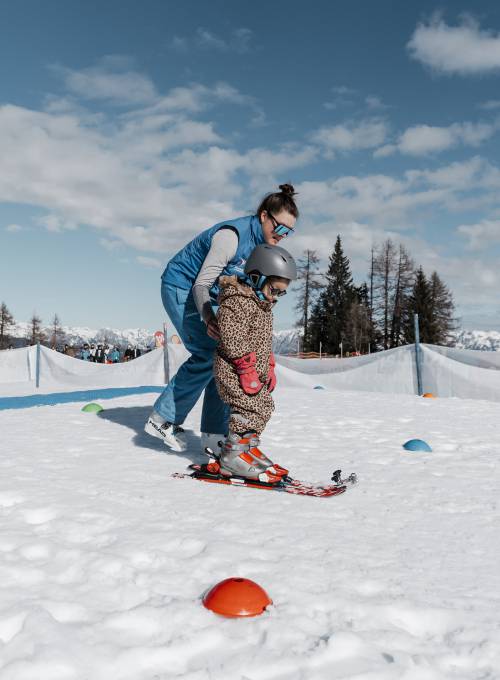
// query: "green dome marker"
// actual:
[[92, 408]]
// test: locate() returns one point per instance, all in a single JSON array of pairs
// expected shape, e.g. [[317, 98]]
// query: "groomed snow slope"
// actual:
[[104, 556]]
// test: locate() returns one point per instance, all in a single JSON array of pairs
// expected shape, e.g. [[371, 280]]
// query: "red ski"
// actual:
[[286, 485]]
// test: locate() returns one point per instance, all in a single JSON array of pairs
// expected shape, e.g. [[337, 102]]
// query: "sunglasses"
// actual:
[[279, 229], [276, 292]]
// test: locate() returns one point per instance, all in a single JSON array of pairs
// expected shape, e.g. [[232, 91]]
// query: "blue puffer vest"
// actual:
[[184, 267]]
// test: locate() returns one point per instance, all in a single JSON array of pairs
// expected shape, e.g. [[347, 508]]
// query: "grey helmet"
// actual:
[[269, 260]]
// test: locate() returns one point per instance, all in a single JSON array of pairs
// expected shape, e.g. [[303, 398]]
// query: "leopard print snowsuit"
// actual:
[[245, 325]]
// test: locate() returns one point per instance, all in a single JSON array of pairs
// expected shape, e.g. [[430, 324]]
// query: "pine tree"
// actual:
[[318, 325], [420, 303], [57, 333], [35, 333], [339, 296], [6, 321], [309, 286], [443, 308]]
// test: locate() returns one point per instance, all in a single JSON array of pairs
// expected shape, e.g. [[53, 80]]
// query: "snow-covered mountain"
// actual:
[[78, 335], [285, 341], [482, 340]]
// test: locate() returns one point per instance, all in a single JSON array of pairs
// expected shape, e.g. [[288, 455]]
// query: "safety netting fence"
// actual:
[[445, 371]]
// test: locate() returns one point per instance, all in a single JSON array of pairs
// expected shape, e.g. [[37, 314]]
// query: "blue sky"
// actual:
[[128, 127]]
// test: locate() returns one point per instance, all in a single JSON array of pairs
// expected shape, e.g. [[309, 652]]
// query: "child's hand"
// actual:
[[247, 373], [271, 376], [213, 329]]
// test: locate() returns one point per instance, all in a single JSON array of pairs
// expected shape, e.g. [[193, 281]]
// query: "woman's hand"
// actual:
[[213, 329]]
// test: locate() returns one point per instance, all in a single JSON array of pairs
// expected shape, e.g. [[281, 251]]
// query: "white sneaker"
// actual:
[[169, 433], [211, 441]]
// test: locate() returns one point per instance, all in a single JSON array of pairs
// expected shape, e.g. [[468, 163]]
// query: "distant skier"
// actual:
[[99, 355], [85, 352], [244, 363], [189, 289]]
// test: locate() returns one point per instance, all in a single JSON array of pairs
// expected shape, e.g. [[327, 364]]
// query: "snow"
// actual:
[[104, 556], [478, 340], [78, 335]]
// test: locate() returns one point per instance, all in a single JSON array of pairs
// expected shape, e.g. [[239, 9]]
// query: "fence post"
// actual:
[[418, 359], [320, 344], [37, 368]]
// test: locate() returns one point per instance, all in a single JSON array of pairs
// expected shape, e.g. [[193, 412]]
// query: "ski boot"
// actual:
[[169, 433], [241, 457]]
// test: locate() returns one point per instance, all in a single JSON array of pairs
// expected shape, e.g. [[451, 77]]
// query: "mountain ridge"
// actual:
[[285, 341]]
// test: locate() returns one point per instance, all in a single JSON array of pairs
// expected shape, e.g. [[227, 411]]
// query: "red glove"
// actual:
[[271, 376], [245, 368]]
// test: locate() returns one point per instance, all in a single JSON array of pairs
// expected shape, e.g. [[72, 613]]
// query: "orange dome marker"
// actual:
[[237, 597], [429, 395]]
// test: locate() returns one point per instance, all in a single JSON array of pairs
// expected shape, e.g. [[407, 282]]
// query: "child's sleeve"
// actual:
[[234, 317]]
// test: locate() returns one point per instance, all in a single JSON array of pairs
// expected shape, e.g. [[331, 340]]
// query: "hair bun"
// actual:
[[287, 189]]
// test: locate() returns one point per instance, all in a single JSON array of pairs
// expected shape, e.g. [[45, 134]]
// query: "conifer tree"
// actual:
[[339, 296], [443, 308], [420, 303], [308, 288], [6, 321], [318, 325]]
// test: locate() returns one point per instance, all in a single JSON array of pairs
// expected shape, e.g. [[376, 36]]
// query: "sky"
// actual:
[[126, 128]]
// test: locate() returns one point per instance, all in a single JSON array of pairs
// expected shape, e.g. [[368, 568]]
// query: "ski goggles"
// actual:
[[280, 229], [276, 292]]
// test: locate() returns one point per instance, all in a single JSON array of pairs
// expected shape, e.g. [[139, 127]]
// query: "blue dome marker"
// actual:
[[318, 387], [416, 445]]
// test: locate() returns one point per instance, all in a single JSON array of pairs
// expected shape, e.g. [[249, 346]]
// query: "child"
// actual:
[[244, 363]]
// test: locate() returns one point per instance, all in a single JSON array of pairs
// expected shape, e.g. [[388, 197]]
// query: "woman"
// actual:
[[189, 290]]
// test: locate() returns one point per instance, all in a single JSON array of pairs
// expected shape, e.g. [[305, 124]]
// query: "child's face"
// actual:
[[275, 288]]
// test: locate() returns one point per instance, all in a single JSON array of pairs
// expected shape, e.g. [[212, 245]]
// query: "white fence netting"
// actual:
[[59, 372], [459, 373], [446, 372], [17, 364]]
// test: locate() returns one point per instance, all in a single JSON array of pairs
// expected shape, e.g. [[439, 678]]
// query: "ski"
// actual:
[[286, 485]]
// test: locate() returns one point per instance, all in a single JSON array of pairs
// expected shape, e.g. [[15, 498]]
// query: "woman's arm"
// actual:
[[222, 250]]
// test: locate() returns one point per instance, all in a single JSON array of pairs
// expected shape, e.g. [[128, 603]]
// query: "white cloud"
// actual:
[[195, 98], [152, 262], [464, 49], [420, 140], [473, 173], [366, 134], [236, 40], [109, 80], [481, 235], [110, 245], [490, 105], [150, 178], [374, 103], [14, 228], [155, 176]]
